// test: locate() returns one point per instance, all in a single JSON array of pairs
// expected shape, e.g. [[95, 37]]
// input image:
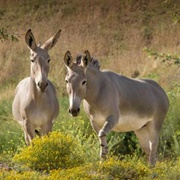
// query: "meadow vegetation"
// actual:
[[132, 37]]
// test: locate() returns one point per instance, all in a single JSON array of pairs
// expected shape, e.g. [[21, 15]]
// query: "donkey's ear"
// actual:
[[51, 41], [86, 58], [68, 60], [30, 40]]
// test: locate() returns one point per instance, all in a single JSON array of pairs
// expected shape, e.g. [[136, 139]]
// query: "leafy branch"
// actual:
[[6, 36], [164, 57]]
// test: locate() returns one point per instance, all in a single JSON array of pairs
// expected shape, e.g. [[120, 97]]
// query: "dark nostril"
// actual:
[[39, 84], [46, 84], [74, 112]]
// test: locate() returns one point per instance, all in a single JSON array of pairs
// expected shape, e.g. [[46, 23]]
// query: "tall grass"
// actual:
[[11, 137], [115, 33]]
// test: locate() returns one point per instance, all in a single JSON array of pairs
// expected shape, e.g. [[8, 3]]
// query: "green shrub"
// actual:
[[109, 169], [14, 175], [113, 168], [52, 151], [11, 135], [164, 57], [5, 35], [170, 136], [123, 169], [80, 173]]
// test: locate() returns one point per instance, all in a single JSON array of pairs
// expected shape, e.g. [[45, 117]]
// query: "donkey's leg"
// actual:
[[29, 133], [154, 133], [108, 125], [46, 128], [149, 138], [27, 138], [102, 140], [143, 137]]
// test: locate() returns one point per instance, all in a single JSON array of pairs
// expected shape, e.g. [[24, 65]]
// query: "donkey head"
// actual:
[[40, 59], [76, 80]]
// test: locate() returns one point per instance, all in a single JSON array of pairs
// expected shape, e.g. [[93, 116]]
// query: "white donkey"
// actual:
[[35, 105], [115, 102]]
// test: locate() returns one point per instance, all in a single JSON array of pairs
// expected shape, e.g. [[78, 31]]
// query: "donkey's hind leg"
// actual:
[[149, 138]]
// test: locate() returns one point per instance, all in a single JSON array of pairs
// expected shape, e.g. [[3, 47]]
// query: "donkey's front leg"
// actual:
[[109, 124], [103, 146], [102, 139], [29, 132]]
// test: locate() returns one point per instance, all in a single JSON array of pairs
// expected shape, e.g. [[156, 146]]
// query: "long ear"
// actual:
[[30, 40], [68, 60], [86, 58], [51, 41]]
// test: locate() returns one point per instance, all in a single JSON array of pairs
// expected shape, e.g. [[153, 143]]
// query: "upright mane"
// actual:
[[94, 62]]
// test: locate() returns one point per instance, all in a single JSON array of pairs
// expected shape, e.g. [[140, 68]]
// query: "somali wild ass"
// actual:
[[115, 102], [35, 104]]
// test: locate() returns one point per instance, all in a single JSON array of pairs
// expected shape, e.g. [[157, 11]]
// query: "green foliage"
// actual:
[[11, 136], [171, 8], [5, 35], [114, 168], [123, 143], [52, 151], [123, 169], [79, 128], [170, 138], [164, 57], [14, 175], [80, 173]]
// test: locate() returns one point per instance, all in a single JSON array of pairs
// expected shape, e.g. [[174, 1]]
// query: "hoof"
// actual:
[[103, 156]]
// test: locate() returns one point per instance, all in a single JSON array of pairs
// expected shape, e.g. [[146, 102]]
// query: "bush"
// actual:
[[13, 175], [123, 169], [52, 151], [113, 168], [80, 173]]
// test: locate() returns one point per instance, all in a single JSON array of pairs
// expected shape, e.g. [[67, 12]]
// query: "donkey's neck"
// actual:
[[33, 91], [93, 85]]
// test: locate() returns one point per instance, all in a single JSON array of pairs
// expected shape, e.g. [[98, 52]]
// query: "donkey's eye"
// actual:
[[49, 60], [84, 82]]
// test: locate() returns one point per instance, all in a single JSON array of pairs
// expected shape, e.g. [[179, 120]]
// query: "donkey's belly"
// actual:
[[128, 122], [131, 122], [38, 118]]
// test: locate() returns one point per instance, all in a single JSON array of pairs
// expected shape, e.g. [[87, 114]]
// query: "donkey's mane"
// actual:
[[94, 62]]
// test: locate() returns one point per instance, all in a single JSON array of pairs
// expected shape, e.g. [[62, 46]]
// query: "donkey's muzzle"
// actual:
[[42, 86], [74, 112]]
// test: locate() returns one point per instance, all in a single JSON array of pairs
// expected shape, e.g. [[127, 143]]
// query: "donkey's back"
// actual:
[[137, 93]]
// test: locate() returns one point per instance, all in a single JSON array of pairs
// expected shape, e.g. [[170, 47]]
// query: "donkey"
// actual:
[[35, 104], [115, 102]]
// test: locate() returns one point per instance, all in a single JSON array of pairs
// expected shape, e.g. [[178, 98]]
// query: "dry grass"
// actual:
[[114, 32]]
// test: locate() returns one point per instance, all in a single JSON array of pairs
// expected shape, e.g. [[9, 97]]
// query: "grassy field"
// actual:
[[115, 32]]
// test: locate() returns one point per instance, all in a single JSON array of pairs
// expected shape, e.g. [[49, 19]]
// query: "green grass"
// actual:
[[121, 145]]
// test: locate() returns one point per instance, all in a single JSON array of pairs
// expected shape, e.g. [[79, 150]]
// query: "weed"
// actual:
[[52, 151]]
